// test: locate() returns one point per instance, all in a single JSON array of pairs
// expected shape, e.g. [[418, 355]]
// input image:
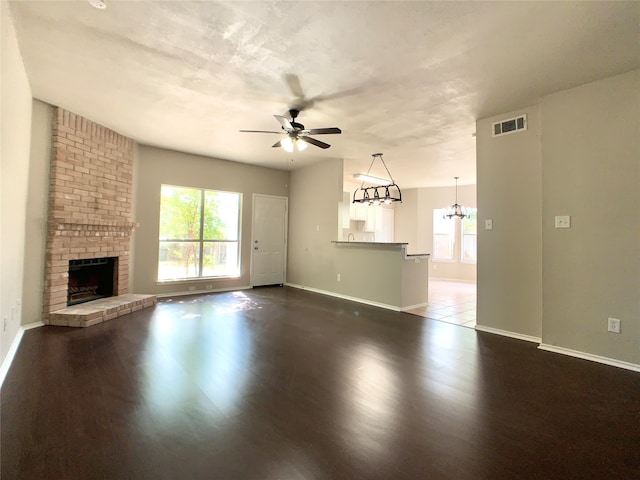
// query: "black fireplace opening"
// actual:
[[91, 279]]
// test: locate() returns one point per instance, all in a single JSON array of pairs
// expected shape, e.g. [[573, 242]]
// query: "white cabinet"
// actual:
[[371, 218], [359, 211]]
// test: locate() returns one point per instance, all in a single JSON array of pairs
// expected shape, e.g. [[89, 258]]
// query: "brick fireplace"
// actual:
[[89, 204]]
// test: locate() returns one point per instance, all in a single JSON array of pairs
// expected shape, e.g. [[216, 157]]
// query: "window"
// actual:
[[199, 233], [443, 235], [454, 239], [469, 236]]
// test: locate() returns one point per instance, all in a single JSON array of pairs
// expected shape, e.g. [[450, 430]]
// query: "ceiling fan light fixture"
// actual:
[[287, 144], [301, 144]]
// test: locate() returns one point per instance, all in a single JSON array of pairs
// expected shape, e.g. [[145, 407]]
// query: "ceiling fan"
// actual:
[[297, 137]]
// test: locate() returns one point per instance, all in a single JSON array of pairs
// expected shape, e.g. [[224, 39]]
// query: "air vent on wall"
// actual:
[[510, 125]]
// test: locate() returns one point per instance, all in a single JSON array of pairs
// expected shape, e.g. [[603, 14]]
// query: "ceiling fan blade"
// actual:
[[294, 84], [313, 141], [324, 131], [259, 131], [277, 144], [286, 124]]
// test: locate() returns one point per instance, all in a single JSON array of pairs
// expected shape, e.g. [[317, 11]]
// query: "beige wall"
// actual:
[[581, 157], [510, 255], [315, 195], [373, 273], [37, 208], [406, 220], [15, 112], [591, 171], [154, 167]]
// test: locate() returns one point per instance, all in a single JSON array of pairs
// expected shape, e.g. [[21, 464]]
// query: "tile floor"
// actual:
[[451, 302]]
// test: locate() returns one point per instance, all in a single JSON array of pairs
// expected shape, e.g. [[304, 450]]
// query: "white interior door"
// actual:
[[269, 242]]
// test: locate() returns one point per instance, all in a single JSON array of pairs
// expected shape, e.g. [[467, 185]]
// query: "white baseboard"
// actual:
[[506, 333], [345, 297], [8, 360], [199, 292], [588, 356]]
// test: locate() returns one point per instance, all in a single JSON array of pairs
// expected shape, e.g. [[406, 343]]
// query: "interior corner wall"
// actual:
[[591, 171], [509, 269], [15, 135], [37, 212], [154, 167], [406, 221], [316, 191]]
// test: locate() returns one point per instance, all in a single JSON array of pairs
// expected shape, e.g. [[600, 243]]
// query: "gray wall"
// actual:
[[581, 157], [314, 262], [154, 167], [509, 265], [37, 212], [15, 135], [591, 171], [316, 194]]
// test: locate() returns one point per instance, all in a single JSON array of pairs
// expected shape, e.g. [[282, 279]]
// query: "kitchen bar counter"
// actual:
[[381, 273], [354, 243], [382, 244]]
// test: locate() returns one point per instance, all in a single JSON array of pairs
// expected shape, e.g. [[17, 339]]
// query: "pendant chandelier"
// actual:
[[387, 192], [455, 210]]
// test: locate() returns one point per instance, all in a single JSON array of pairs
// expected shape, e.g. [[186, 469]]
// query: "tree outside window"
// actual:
[[199, 233]]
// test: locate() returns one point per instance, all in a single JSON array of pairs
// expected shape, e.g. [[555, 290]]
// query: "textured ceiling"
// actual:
[[408, 79]]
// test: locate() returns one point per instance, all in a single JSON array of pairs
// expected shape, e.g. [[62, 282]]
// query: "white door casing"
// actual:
[[269, 240]]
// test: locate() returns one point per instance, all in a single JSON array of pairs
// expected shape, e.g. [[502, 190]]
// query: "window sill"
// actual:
[[195, 280]]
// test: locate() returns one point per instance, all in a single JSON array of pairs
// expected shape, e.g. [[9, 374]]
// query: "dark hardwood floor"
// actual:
[[278, 383]]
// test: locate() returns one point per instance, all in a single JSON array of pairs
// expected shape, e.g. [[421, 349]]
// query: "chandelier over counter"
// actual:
[[455, 210], [387, 192]]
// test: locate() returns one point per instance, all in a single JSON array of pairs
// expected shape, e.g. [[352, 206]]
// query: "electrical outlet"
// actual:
[[339, 277], [613, 325], [209, 287], [488, 224]]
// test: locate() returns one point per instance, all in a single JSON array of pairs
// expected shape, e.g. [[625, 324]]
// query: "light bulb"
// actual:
[[287, 144], [301, 145]]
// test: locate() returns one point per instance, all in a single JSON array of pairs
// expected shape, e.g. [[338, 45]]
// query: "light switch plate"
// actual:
[[488, 224], [563, 221]]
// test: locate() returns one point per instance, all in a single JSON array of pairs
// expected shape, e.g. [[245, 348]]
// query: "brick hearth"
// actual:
[[92, 313]]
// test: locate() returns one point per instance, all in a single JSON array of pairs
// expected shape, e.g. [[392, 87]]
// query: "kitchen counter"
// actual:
[[381, 273], [382, 244], [344, 242]]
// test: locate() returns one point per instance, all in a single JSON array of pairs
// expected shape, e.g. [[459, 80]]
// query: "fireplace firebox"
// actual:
[[91, 279]]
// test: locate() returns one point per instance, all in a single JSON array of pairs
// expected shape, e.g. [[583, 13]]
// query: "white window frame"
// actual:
[[463, 234], [201, 241], [438, 214]]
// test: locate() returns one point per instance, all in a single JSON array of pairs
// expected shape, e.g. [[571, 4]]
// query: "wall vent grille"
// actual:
[[510, 125]]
